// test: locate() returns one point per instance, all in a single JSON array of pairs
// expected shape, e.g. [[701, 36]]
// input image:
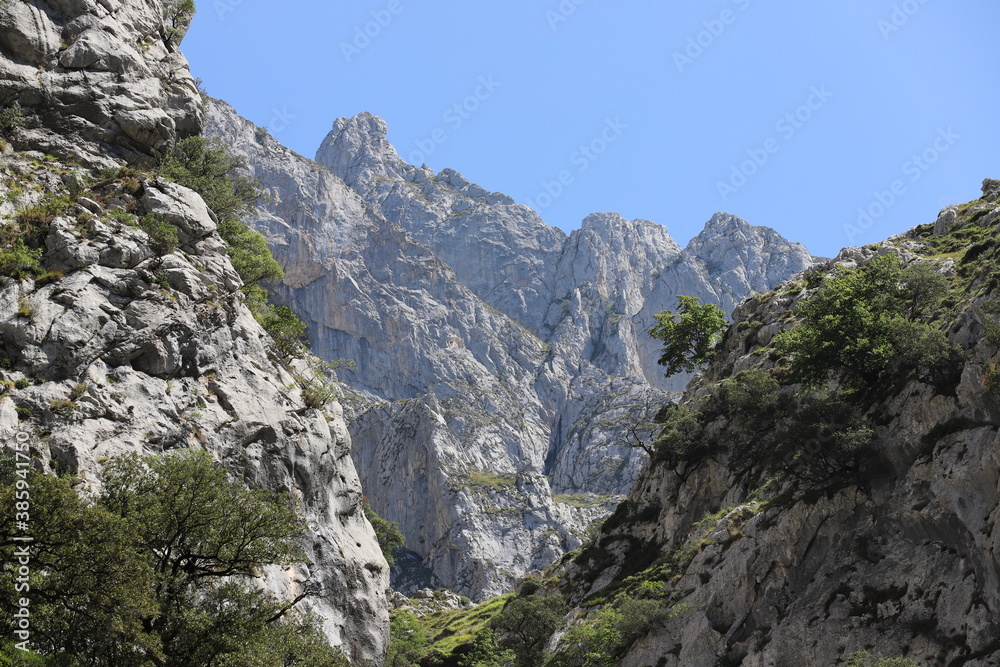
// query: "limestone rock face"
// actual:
[[131, 352], [163, 355], [99, 81], [500, 364], [905, 562], [120, 350]]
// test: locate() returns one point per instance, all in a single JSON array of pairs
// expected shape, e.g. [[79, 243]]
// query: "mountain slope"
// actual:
[[499, 363], [777, 534]]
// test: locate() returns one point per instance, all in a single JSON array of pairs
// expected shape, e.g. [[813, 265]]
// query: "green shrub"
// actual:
[[603, 639], [319, 384], [162, 234], [747, 393], [526, 624], [824, 438], [922, 288], [206, 166], [407, 640], [387, 532], [868, 659], [249, 253], [20, 261], [37, 218], [11, 118], [682, 439], [64, 409], [486, 652], [25, 309]]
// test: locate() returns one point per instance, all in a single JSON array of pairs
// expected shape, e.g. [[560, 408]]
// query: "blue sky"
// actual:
[[836, 123]]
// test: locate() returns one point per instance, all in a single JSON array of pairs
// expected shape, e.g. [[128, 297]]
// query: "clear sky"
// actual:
[[836, 123]]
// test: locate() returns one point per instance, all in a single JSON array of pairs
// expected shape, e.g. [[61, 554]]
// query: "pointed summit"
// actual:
[[359, 145]]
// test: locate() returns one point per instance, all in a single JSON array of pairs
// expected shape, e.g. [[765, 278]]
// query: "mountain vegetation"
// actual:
[[157, 569]]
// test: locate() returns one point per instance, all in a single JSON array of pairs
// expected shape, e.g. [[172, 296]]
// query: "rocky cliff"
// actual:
[[864, 516], [110, 347], [499, 363]]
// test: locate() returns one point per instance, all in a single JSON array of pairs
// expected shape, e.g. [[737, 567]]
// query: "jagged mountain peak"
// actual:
[[727, 224], [360, 145]]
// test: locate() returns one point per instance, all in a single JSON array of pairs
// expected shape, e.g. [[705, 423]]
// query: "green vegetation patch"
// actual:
[[483, 481], [434, 638]]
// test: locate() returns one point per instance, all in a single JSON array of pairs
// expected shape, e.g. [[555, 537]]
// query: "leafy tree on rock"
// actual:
[[690, 336], [157, 569]]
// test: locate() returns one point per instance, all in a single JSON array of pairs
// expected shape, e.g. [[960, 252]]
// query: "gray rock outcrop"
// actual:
[[500, 364], [99, 81], [901, 559]]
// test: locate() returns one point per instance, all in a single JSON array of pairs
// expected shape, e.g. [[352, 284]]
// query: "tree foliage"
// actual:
[[157, 569], [407, 640], [862, 320], [602, 639], [690, 336], [487, 653], [207, 167], [387, 532], [526, 624], [285, 328]]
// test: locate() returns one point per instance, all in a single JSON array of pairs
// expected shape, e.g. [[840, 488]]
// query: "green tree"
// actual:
[[486, 653], [91, 586], [602, 639], [389, 537], [689, 340], [157, 570], [407, 640], [681, 438], [526, 624], [854, 324], [177, 16], [287, 330]]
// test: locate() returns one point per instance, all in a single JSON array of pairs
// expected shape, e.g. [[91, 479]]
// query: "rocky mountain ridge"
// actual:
[[499, 362], [112, 346]]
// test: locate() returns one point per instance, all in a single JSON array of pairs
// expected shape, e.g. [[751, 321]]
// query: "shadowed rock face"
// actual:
[[500, 362], [145, 353], [99, 80]]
